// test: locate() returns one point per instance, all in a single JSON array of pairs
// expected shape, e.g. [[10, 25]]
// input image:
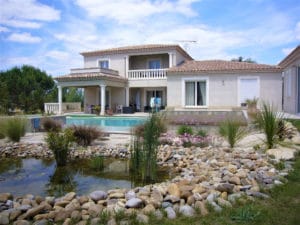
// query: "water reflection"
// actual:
[[42, 177]]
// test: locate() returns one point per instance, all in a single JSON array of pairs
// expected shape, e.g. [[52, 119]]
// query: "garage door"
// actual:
[[248, 89]]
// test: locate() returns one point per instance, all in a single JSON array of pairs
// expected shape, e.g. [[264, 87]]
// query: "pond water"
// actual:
[[41, 177]]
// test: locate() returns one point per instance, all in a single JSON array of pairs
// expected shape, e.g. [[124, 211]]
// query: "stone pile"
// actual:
[[211, 175]]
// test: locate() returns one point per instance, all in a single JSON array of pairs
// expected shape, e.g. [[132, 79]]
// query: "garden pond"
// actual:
[[42, 177]]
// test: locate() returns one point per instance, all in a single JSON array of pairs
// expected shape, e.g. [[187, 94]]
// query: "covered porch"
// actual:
[[103, 88]]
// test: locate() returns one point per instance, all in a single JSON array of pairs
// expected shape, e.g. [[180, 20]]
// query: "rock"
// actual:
[[117, 195], [142, 218], [235, 180], [41, 222], [134, 203], [14, 214], [112, 222], [95, 221], [70, 196], [83, 199], [225, 187], [21, 222], [190, 200], [200, 205], [148, 209], [199, 189], [174, 190], [62, 203], [32, 212], [130, 194], [282, 153], [95, 210], [76, 215], [224, 203], [98, 195], [158, 214], [82, 222], [233, 197], [241, 174], [166, 204], [61, 215], [4, 218], [24, 208], [68, 221], [216, 207], [171, 198], [211, 197], [232, 168], [5, 196], [187, 210], [257, 194], [171, 214]]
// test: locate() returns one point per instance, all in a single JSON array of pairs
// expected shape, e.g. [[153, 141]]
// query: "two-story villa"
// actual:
[[128, 77]]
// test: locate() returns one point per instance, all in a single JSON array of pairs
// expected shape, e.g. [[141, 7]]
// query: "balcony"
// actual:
[[147, 74]]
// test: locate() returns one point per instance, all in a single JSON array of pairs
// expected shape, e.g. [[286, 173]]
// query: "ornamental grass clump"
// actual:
[[268, 121], [14, 128], [50, 124], [59, 143], [85, 135], [184, 129], [232, 131]]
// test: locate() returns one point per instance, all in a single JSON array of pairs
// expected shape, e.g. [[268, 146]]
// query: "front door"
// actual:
[[248, 89]]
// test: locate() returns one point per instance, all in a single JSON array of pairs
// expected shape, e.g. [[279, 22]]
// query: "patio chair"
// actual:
[[119, 109]]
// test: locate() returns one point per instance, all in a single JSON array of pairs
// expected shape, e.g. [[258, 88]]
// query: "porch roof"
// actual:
[[222, 66], [90, 76]]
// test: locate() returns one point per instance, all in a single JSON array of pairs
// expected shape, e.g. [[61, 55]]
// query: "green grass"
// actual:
[[283, 208]]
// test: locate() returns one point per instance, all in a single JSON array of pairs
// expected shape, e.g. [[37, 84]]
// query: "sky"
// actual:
[[50, 34]]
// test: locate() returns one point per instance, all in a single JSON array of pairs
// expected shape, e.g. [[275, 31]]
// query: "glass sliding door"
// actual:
[[195, 93]]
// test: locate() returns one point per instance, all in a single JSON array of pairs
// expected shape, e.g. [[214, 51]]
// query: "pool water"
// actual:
[[108, 124], [42, 177]]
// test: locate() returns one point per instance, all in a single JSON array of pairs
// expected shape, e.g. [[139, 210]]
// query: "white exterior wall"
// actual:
[[223, 89], [179, 58], [91, 97], [117, 97], [291, 88]]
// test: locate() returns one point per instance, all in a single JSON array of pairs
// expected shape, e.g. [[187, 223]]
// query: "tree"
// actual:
[[241, 59], [27, 88]]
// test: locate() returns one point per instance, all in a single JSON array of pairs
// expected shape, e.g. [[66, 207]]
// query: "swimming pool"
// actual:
[[108, 124]]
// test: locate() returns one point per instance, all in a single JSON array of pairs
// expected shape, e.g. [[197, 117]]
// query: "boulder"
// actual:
[[141, 218], [98, 195], [174, 190], [70, 196], [200, 205], [187, 210], [171, 214], [5, 196], [225, 187], [134, 203]]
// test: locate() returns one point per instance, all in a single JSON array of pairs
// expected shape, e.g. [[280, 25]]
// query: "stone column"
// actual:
[[127, 96], [59, 100], [102, 112]]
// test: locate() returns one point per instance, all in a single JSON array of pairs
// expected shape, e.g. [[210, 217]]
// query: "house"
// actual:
[[291, 78], [127, 78]]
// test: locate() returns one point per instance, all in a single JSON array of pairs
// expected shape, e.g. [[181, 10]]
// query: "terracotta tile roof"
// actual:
[[222, 66], [293, 56], [137, 49], [89, 77]]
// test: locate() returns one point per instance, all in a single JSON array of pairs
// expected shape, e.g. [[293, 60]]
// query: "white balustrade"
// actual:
[[147, 74], [53, 107]]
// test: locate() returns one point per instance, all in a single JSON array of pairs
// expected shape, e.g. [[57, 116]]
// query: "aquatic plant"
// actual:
[[232, 131], [97, 163], [14, 128], [184, 129], [144, 149], [59, 143], [50, 124], [85, 135]]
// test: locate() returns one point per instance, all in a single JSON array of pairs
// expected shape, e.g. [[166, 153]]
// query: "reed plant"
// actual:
[[232, 131], [97, 163], [59, 143], [144, 149]]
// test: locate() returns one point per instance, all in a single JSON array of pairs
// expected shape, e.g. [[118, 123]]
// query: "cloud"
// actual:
[[25, 13], [131, 11], [23, 38], [287, 51], [58, 55], [3, 29]]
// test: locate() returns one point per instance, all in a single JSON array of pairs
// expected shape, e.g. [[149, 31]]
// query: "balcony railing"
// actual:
[[147, 74]]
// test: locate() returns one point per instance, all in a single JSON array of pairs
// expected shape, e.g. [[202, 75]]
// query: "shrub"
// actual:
[[184, 129], [50, 124], [60, 143], [85, 135], [285, 131], [14, 128], [268, 122], [232, 131], [202, 133]]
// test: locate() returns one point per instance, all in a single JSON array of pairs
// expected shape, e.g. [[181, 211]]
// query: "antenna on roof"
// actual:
[[186, 43]]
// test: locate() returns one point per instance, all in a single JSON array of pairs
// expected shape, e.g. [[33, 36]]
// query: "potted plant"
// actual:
[[252, 106], [97, 109]]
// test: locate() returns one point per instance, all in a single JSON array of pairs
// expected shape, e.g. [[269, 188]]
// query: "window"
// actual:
[[195, 93], [154, 64], [103, 64]]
